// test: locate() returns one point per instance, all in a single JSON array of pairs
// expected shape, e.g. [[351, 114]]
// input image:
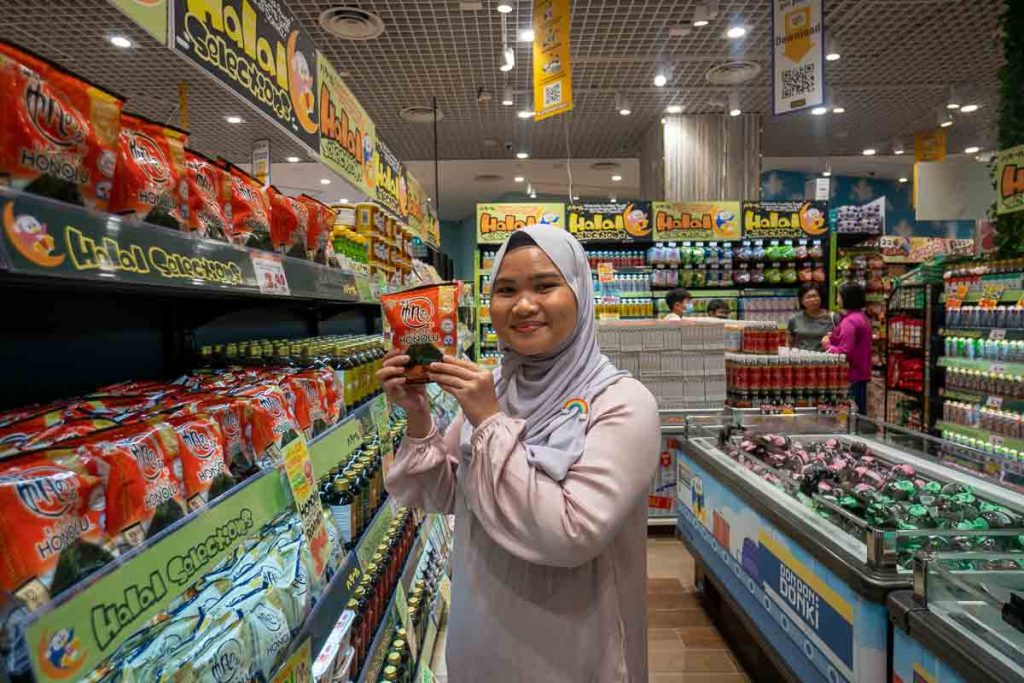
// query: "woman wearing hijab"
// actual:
[[547, 470]]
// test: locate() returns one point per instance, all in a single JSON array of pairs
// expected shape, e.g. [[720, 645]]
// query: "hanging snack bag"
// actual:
[[424, 324], [318, 231], [150, 183], [50, 531], [209, 197], [250, 212], [58, 133], [289, 223], [204, 470]]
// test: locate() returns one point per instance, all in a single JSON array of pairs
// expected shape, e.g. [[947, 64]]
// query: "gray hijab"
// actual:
[[553, 392]]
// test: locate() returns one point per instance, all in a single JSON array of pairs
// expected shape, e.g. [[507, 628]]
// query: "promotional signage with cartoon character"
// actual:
[[348, 139], [495, 222], [785, 219], [552, 74], [392, 189], [258, 50], [696, 220], [620, 221], [417, 207]]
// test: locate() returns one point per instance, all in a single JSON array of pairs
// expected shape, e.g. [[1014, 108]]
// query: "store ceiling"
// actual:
[[899, 60]]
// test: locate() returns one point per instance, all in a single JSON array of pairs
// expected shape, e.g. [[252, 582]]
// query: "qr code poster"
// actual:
[[552, 73], [798, 55]]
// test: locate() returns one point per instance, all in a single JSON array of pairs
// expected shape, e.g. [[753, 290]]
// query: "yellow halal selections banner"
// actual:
[[417, 206], [552, 73], [495, 222], [930, 145], [718, 220], [149, 14], [348, 139], [1010, 180], [432, 232]]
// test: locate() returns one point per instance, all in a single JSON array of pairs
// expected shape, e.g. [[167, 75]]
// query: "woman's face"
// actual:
[[812, 301], [533, 310]]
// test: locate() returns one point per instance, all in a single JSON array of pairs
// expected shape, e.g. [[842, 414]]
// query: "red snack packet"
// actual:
[[58, 133], [289, 224], [231, 414], [209, 197], [318, 231], [250, 212], [50, 532], [270, 424], [303, 402], [140, 467], [66, 431], [150, 183], [424, 324], [205, 472], [14, 436]]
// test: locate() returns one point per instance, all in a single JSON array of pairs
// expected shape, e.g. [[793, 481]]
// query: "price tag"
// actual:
[[270, 274], [956, 297], [997, 368], [605, 272], [997, 334], [990, 295], [994, 402], [995, 439]]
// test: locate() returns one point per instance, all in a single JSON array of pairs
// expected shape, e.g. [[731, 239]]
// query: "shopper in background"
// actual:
[[680, 303], [852, 336], [718, 308], [547, 470], [813, 322]]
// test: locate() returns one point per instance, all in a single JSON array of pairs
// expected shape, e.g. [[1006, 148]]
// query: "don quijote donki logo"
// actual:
[[52, 117], [45, 491], [149, 157], [417, 312]]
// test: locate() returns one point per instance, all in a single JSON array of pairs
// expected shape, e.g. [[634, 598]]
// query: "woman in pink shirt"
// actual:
[[852, 336], [546, 470]]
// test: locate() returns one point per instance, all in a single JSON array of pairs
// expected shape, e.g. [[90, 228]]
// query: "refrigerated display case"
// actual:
[[804, 536]]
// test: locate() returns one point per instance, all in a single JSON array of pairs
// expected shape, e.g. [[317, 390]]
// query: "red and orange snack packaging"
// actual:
[[51, 535], [270, 425], [319, 247], [205, 473], [58, 133], [231, 415], [424, 325], [209, 197], [250, 212], [289, 223], [150, 183]]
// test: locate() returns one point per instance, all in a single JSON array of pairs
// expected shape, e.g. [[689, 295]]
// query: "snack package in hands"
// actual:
[[250, 212], [150, 182], [424, 324], [209, 197], [58, 133]]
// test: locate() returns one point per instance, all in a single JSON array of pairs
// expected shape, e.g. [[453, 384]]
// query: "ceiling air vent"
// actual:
[[418, 114], [605, 166], [487, 178], [733, 73], [351, 23]]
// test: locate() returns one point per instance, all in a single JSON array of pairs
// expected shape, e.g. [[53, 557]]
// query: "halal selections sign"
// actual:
[[348, 140], [432, 233], [625, 221], [495, 222], [798, 55], [696, 220], [256, 48], [392, 188], [1010, 180], [785, 219]]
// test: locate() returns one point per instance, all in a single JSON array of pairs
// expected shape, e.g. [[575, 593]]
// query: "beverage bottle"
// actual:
[[340, 502]]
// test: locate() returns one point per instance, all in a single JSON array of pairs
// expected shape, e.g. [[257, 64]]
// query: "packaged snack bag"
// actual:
[[250, 212], [269, 422], [231, 415], [205, 473], [150, 182], [209, 197], [50, 531], [58, 133], [318, 231], [289, 224], [14, 435], [424, 324], [66, 431]]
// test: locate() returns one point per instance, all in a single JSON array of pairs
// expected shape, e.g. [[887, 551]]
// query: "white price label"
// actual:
[[994, 402], [995, 439], [997, 368], [997, 334], [270, 274]]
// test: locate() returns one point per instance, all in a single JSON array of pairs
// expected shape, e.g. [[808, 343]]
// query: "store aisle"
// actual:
[[682, 643]]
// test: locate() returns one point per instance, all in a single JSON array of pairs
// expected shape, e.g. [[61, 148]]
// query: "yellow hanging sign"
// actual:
[[552, 73]]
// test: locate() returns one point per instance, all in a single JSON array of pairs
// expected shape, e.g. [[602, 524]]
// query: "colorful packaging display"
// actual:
[[250, 212], [319, 229], [209, 197], [289, 224], [58, 133], [424, 324], [797, 379], [150, 183]]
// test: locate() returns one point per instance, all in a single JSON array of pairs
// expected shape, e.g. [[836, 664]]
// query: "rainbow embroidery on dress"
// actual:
[[576, 406]]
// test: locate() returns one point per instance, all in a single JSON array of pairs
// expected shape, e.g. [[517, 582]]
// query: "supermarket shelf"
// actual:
[[701, 293], [93, 249], [993, 366], [983, 333], [1015, 405], [1009, 296], [982, 435], [661, 521]]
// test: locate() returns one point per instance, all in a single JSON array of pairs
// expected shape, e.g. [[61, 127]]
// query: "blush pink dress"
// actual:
[[549, 578]]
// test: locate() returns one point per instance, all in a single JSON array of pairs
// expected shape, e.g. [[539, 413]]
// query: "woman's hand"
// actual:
[[410, 397], [826, 341], [472, 385]]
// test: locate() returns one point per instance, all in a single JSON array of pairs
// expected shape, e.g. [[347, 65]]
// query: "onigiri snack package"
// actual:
[[289, 223], [319, 230], [424, 325], [250, 212], [204, 469], [150, 182], [58, 133], [209, 197]]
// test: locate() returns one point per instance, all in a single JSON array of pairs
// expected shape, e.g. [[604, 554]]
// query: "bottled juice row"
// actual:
[[990, 383], [800, 380], [755, 338], [989, 349], [1004, 422]]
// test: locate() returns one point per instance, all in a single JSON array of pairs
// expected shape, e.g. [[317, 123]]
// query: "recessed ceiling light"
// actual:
[[826, 174], [533, 195], [831, 47], [972, 150], [508, 59], [292, 160], [526, 35], [903, 179], [508, 97], [700, 22], [952, 105], [616, 178], [525, 114], [819, 111], [969, 108], [504, 7], [613, 199], [701, 15], [325, 181], [898, 152], [575, 197], [344, 200], [674, 109], [660, 80], [120, 41], [519, 179], [622, 105], [736, 32], [869, 152], [838, 110], [944, 119], [522, 155], [946, 124], [734, 104], [233, 119]]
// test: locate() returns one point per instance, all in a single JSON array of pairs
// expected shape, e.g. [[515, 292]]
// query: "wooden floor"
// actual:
[[682, 645]]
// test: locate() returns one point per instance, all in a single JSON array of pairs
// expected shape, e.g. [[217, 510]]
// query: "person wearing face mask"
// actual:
[[546, 469], [807, 328], [680, 303]]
